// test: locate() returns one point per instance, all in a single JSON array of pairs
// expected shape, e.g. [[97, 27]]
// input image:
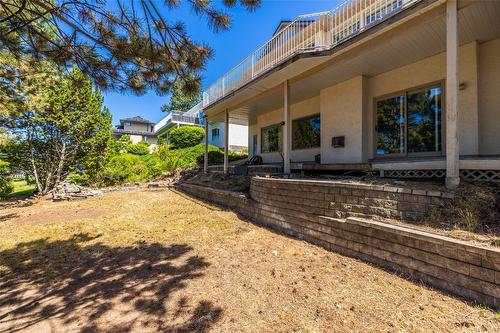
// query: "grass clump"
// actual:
[[474, 209]]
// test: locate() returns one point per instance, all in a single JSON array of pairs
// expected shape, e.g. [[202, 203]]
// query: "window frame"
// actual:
[[303, 118], [280, 150], [435, 84]]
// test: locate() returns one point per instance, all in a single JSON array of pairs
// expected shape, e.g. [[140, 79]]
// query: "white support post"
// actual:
[[226, 142], [205, 155], [452, 141], [286, 128]]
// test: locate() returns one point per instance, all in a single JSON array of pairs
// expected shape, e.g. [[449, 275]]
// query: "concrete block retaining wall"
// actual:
[[306, 212], [341, 200]]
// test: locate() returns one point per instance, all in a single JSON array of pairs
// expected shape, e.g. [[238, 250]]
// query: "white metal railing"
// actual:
[[164, 122], [172, 117], [306, 33], [195, 110], [180, 118]]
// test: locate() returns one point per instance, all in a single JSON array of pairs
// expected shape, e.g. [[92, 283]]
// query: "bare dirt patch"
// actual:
[[161, 261], [221, 181]]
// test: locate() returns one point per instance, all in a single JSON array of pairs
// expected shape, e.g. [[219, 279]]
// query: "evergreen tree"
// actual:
[[122, 45], [67, 128], [181, 101]]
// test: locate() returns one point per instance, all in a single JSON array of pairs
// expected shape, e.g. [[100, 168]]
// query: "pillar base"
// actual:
[[452, 182]]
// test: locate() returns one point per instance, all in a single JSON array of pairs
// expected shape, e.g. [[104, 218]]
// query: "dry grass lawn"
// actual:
[[160, 261]]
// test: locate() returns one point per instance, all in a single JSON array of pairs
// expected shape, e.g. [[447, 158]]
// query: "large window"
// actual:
[[215, 134], [410, 123], [306, 132], [271, 139]]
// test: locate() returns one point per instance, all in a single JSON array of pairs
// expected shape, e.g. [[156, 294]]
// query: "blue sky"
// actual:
[[249, 30]]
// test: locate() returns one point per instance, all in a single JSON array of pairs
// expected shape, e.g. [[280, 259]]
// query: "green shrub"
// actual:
[[77, 178], [186, 136], [139, 148], [120, 145], [6, 186], [216, 156], [130, 168], [123, 168]]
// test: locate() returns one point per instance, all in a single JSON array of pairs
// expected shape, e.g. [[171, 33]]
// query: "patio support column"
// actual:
[[286, 128], [205, 155], [226, 142], [452, 142]]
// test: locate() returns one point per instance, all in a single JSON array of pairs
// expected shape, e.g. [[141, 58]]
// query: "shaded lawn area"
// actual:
[[160, 261], [22, 189]]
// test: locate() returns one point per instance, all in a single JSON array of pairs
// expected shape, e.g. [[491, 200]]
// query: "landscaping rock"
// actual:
[[68, 191]]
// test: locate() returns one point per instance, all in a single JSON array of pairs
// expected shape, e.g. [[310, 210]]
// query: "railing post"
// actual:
[[205, 155], [452, 142], [226, 142], [362, 18], [252, 64], [287, 128]]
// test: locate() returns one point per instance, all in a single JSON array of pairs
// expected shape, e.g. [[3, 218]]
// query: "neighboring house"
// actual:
[[407, 87], [238, 134], [138, 128]]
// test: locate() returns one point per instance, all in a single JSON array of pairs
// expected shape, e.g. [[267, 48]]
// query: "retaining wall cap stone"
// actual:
[[427, 235], [342, 184]]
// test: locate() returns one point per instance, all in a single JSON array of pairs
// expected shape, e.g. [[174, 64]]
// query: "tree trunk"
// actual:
[[62, 157], [49, 175], [33, 165]]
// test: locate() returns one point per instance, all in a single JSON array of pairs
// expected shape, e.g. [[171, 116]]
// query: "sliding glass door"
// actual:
[[410, 123], [424, 121], [391, 122]]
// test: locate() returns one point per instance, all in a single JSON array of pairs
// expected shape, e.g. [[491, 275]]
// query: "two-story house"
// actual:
[[138, 128], [410, 88]]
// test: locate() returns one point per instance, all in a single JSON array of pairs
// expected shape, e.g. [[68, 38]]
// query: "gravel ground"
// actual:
[[149, 261]]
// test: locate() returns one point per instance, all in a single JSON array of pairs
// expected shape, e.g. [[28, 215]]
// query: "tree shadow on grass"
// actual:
[[7, 217], [81, 286]]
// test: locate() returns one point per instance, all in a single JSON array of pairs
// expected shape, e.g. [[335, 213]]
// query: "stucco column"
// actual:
[[205, 155], [226, 142], [452, 143], [286, 128]]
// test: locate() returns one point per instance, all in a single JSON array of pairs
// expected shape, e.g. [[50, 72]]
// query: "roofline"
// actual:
[[145, 121], [279, 25], [118, 131]]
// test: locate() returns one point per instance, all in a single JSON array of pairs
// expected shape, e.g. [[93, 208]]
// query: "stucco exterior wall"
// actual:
[[238, 135], [138, 127], [342, 115], [304, 108], [138, 138], [489, 97]]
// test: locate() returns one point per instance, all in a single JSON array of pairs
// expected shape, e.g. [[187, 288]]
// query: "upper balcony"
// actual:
[[305, 34], [174, 119]]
